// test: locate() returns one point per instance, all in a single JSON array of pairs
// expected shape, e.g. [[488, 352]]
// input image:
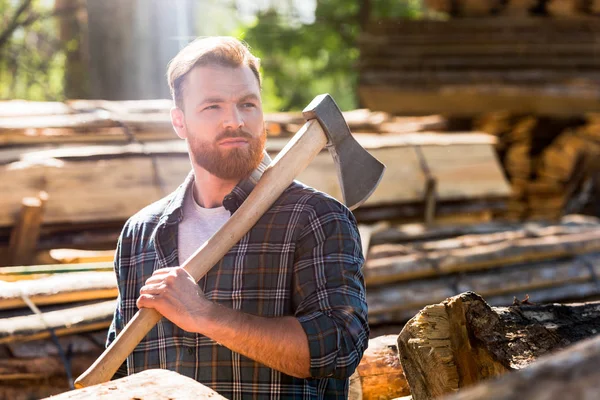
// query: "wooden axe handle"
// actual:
[[296, 155]]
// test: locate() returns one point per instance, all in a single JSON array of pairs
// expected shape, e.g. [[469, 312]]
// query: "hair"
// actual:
[[217, 50]]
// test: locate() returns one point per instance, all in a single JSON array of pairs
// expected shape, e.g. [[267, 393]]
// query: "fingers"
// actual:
[[146, 301]]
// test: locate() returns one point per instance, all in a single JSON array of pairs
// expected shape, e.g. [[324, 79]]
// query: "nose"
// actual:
[[233, 119]]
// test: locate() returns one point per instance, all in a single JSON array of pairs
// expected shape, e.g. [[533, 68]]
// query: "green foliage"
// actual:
[[300, 61], [32, 59]]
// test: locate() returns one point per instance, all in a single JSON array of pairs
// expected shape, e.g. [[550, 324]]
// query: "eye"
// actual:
[[248, 105]]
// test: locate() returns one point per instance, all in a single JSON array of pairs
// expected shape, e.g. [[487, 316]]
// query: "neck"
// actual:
[[209, 190]]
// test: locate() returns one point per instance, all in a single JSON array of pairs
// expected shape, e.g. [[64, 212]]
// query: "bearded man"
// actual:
[[283, 314]]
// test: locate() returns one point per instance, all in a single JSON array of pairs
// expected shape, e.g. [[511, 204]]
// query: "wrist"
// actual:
[[204, 316]]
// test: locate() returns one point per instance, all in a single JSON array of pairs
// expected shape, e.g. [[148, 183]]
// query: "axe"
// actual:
[[358, 172]]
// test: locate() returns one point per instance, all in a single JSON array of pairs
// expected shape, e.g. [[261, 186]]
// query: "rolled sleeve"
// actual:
[[330, 292]]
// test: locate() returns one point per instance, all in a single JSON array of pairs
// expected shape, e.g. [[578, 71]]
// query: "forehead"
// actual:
[[220, 81]]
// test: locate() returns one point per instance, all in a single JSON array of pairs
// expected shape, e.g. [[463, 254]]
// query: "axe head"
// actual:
[[358, 171]]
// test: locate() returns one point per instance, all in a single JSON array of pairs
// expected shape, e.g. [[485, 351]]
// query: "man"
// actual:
[[283, 314]]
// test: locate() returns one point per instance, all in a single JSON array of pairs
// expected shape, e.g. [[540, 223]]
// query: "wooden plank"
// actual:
[[26, 231], [9, 274], [22, 108], [64, 322], [471, 100], [59, 288], [142, 174], [149, 384]]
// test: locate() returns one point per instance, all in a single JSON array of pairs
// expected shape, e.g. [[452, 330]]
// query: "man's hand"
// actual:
[[279, 343], [174, 293]]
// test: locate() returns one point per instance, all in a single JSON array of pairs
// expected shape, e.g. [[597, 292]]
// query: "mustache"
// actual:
[[232, 134]]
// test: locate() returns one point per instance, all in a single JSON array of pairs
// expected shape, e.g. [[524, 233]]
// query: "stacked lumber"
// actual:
[[547, 161], [514, 8], [463, 341], [35, 369], [548, 262], [100, 121], [53, 325], [90, 190], [465, 67]]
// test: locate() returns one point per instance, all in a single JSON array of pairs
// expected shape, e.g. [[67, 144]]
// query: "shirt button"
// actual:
[[190, 351]]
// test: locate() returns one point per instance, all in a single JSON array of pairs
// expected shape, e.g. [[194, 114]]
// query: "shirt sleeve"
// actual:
[[117, 323], [329, 291]]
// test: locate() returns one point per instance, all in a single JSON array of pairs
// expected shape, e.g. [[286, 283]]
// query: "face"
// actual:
[[222, 120]]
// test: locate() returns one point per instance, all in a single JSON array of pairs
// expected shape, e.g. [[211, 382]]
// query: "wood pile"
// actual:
[[463, 341], [71, 194], [548, 162], [465, 67], [548, 262], [514, 8]]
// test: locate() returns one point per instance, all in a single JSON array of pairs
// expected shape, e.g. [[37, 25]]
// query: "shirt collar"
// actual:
[[174, 211]]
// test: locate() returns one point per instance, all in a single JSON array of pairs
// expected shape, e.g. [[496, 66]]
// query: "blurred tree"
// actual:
[[32, 56], [300, 60]]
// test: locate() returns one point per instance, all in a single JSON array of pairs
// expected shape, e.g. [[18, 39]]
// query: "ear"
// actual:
[[178, 121]]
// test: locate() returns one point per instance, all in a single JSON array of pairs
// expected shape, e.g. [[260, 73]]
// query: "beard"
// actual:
[[229, 164]]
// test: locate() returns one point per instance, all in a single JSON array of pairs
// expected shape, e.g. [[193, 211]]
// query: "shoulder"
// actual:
[[314, 204], [148, 217]]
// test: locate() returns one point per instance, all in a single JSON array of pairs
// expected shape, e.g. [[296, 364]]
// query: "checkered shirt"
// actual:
[[302, 258]]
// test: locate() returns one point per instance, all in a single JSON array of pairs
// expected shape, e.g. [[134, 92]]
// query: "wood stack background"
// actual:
[[543, 66], [81, 169], [523, 71]]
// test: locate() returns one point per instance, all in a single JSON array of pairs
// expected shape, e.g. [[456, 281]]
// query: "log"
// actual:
[[419, 232], [25, 233], [477, 8], [465, 99], [565, 8], [573, 372], [518, 8], [463, 341], [379, 374], [515, 280], [149, 384], [59, 288], [415, 265], [22, 108], [442, 6], [569, 292], [64, 322], [11, 274]]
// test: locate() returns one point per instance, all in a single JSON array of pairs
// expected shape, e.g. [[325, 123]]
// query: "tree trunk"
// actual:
[[131, 43], [463, 341], [379, 374]]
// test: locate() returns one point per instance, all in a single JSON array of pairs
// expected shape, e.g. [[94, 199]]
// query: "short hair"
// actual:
[[216, 50]]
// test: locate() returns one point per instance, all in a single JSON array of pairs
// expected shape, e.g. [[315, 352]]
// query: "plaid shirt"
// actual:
[[302, 258]]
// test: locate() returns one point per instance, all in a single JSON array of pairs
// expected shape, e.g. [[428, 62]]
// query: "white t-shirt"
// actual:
[[198, 225]]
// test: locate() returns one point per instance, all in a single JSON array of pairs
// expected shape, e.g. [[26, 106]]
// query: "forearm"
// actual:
[[279, 343]]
